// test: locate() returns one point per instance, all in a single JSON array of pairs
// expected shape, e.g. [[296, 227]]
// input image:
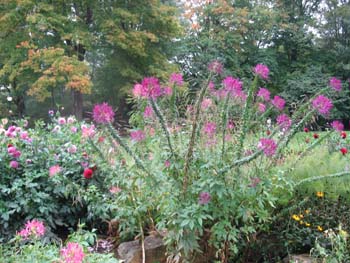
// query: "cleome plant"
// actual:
[[206, 176]]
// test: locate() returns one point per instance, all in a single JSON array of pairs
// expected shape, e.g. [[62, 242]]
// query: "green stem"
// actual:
[[316, 178], [162, 121], [126, 148], [224, 123], [193, 133]]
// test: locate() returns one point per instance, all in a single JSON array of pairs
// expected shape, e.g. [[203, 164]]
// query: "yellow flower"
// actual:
[[296, 217], [307, 224], [301, 222], [319, 228], [307, 211], [320, 194], [343, 233], [301, 216]]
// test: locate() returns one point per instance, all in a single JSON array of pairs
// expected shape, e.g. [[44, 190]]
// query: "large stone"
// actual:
[[303, 258], [131, 252]]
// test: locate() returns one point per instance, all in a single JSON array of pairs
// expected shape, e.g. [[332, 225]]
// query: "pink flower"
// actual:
[[233, 86], [137, 90], [278, 102], [151, 88], [209, 129], [73, 129], [335, 84], [14, 164], [24, 135], [322, 104], [103, 113], [167, 163], [206, 103], [56, 129], [54, 170], [167, 91], [72, 149], [261, 107], [204, 198], [211, 87], [338, 126], [51, 113], [148, 113], [216, 67], [269, 146], [137, 136], [284, 121], [72, 253], [61, 121], [71, 120], [230, 124], [176, 78], [262, 71], [114, 190], [88, 131], [33, 228], [264, 94]]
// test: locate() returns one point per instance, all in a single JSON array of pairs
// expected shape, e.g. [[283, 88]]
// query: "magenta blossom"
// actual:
[[54, 170], [232, 86], [176, 78], [148, 112], [151, 88], [137, 90], [209, 129], [167, 91], [322, 104], [14, 164], [335, 84], [32, 228], [338, 125], [262, 71], [204, 198], [278, 102], [269, 146], [103, 113], [261, 107], [206, 103], [61, 121], [284, 121], [72, 253], [167, 163], [264, 94], [137, 136], [216, 67]]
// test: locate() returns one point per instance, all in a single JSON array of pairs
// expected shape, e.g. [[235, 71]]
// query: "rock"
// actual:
[[303, 258], [131, 252]]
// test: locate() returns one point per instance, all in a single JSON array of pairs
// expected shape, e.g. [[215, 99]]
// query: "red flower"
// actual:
[[306, 129], [101, 139], [88, 173], [343, 134], [268, 132], [316, 135], [343, 151], [9, 145]]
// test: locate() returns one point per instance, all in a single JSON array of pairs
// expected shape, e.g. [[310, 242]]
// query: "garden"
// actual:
[[119, 144]]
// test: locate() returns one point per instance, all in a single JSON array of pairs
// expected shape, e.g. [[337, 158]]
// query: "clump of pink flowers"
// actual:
[[32, 228], [137, 136], [262, 71], [204, 198], [103, 113], [335, 84], [232, 86], [322, 104], [72, 253], [176, 78], [148, 112], [55, 169], [264, 94], [209, 129], [268, 146], [216, 67], [283, 121], [278, 102], [337, 125]]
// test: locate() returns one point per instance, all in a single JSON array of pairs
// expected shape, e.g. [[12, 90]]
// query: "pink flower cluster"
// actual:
[[233, 87], [88, 131], [335, 84], [209, 129], [176, 78], [262, 71], [137, 136], [216, 67], [322, 104], [14, 152], [204, 198], [150, 88], [284, 121], [148, 113], [278, 102], [264, 94], [33, 228], [269, 146], [337, 125], [55, 169], [103, 113], [13, 131], [72, 253]]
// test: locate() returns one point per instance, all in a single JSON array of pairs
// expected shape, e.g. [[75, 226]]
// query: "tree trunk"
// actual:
[[78, 105]]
